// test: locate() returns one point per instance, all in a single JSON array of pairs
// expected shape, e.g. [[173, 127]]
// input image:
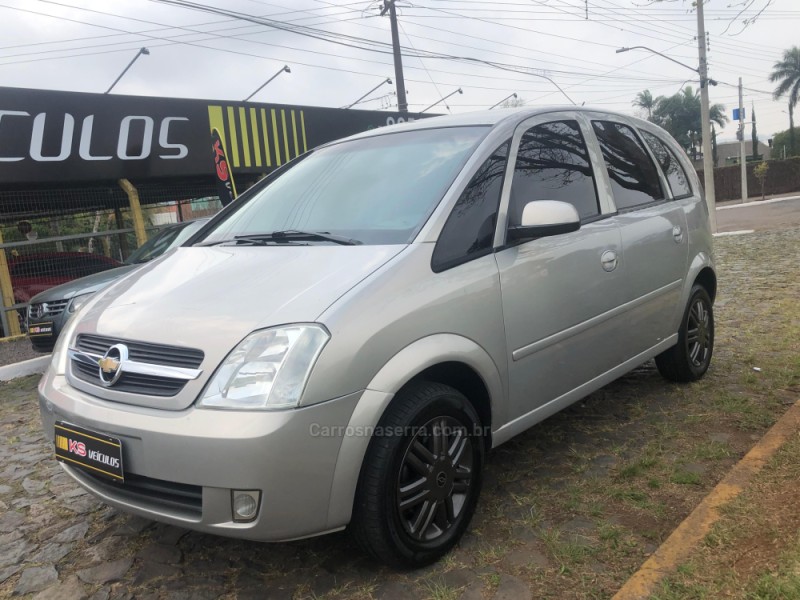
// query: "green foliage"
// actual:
[[781, 140], [760, 171], [680, 115], [754, 132], [786, 73]]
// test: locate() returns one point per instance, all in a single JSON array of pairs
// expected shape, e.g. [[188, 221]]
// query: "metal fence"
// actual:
[[49, 236]]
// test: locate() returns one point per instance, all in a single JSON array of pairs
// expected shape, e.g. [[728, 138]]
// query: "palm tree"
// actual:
[[680, 115], [787, 73], [645, 100]]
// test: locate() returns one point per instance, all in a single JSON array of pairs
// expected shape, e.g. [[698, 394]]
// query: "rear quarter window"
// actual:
[[670, 165]]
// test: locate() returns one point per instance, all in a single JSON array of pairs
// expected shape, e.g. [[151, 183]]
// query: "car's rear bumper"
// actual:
[[181, 466]]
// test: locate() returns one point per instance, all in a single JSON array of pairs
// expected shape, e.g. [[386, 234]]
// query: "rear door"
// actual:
[[653, 229]]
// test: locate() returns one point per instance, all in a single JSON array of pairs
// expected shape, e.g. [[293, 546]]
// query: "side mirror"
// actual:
[[544, 218]]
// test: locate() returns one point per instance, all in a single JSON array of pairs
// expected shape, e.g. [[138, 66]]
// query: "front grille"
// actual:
[[136, 383], [181, 497], [133, 383], [157, 354], [47, 309]]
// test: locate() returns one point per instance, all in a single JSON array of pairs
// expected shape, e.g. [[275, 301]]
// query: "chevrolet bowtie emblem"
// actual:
[[112, 364], [108, 364]]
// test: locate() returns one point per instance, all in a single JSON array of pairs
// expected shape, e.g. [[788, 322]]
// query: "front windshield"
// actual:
[[377, 190], [163, 241]]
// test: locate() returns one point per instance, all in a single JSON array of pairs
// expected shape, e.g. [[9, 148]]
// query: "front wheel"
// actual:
[[690, 358], [421, 477]]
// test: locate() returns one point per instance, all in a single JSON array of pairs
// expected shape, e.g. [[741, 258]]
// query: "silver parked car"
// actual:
[[344, 344]]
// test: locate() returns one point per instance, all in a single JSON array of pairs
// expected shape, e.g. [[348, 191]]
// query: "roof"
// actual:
[[490, 118]]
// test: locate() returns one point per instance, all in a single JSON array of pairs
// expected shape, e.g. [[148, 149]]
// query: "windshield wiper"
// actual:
[[286, 236]]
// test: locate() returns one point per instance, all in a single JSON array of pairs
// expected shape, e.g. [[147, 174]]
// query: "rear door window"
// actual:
[[634, 177]]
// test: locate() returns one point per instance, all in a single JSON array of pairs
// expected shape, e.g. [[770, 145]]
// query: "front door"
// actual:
[[559, 292]]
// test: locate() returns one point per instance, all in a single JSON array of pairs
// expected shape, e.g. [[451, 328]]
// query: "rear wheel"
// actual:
[[421, 477], [690, 358]]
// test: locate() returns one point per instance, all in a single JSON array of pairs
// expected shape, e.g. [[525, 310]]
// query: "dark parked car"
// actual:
[[50, 309], [35, 273]]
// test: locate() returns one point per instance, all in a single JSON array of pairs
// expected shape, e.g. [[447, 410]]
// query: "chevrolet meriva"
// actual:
[[344, 343]]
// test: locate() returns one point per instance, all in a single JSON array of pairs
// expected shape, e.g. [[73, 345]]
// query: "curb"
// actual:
[[756, 202], [26, 367], [679, 545]]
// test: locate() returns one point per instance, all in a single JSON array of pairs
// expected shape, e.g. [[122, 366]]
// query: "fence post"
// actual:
[[7, 293], [136, 211]]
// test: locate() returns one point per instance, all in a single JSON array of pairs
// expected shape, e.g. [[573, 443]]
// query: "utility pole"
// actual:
[[742, 144], [708, 161], [402, 103]]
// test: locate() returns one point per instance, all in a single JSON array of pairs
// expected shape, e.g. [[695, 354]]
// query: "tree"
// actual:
[[680, 116], [761, 170], [780, 143], [647, 102], [755, 134], [786, 73], [714, 152]]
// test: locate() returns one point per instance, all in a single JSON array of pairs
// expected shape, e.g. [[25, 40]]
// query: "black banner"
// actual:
[[51, 136]]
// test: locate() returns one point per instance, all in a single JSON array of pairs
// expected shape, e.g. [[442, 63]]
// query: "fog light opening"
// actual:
[[245, 504]]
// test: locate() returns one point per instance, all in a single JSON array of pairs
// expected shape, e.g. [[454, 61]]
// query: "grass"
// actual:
[[753, 551], [441, 591], [685, 478]]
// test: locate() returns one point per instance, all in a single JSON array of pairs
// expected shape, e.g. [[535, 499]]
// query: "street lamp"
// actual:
[[261, 87], [125, 70], [387, 80], [458, 91], [705, 118], [514, 95]]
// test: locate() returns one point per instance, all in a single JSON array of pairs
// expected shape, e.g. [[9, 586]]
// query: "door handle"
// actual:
[[609, 260], [677, 233]]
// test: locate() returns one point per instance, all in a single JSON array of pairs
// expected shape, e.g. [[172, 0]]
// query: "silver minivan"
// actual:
[[344, 344]]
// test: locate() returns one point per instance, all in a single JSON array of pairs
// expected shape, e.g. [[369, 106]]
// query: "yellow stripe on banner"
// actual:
[[234, 146], [303, 129], [285, 134], [256, 142], [265, 135], [294, 132], [216, 121], [91, 437], [275, 139], [61, 442], [245, 136]]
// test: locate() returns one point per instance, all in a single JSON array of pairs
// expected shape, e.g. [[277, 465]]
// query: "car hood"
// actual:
[[84, 285], [212, 297]]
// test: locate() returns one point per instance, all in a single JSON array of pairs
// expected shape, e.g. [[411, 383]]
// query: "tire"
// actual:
[[690, 358], [405, 463]]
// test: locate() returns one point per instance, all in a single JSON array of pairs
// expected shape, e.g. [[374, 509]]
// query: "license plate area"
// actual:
[[44, 329], [94, 452]]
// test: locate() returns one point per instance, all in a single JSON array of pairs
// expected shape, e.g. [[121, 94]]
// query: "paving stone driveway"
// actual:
[[535, 532]]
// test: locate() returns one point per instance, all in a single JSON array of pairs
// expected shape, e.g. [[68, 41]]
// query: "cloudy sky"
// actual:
[[83, 45]]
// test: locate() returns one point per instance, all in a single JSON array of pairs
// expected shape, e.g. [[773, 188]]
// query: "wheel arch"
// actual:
[[445, 358], [708, 279]]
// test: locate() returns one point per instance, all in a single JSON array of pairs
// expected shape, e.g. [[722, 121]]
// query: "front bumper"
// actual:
[[212, 452]]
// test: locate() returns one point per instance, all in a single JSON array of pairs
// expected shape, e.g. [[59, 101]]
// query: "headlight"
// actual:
[[268, 370], [78, 301]]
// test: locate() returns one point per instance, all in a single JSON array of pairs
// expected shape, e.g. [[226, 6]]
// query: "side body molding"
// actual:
[[410, 361]]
